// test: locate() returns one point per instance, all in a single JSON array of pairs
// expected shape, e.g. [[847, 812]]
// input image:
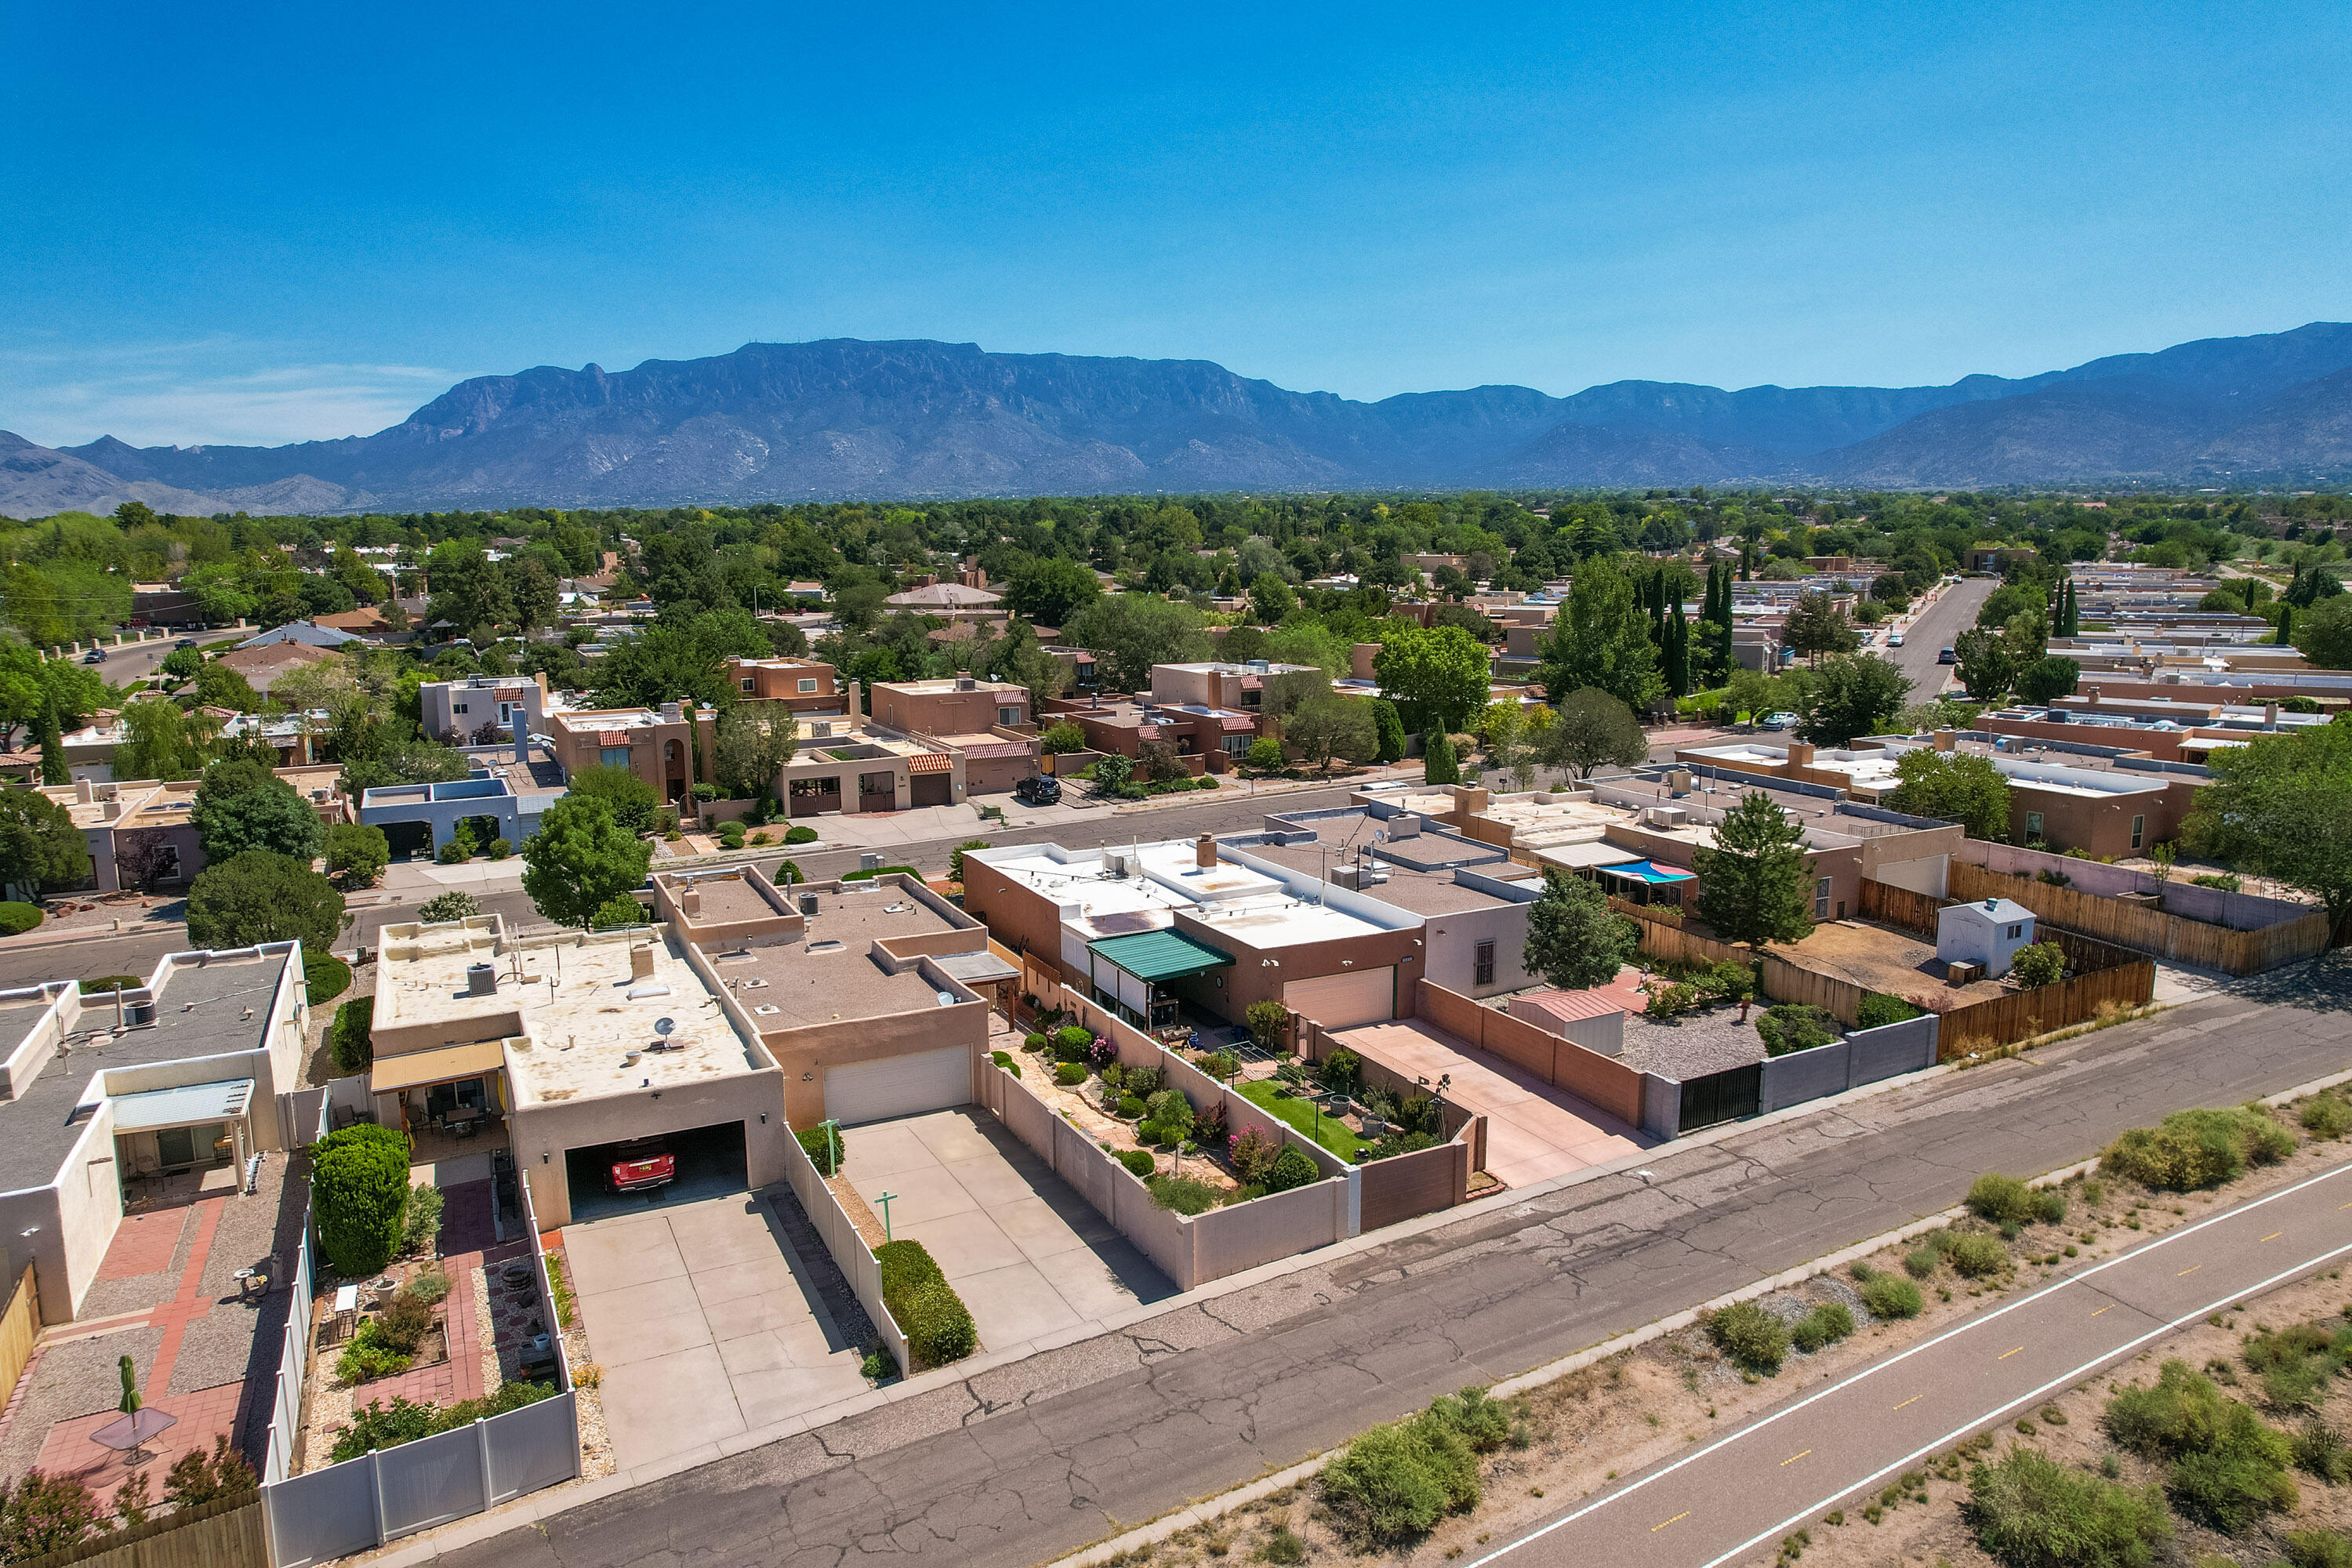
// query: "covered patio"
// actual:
[[175, 1144], [1130, 972], [454, 1092]]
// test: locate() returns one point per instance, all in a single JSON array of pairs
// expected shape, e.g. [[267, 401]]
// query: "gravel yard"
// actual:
[[1692, 1045]]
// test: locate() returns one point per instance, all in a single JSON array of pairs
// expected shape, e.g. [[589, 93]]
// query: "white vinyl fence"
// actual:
[[365, 1503]]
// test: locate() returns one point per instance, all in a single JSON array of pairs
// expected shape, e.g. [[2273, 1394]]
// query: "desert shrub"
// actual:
[[1069, 1074], [16, 919], [2193, 1149], [1824, 1325], [1252, 1153], [2320, 1450], [1185, 1194], [1219, 1065], [1290, 1169], [800, 835], [2227, 1469], [348, 1036], [370, 1356], [1669, 1000], [359, 1185], [420, 1229], [827, 1147], [1139, 1162], [1890, 1296], [2297, 1363], [1977, 1256], [2005, 1200], [2318, 1548], [429, 1287], [1143, 1083], [45, 1514], [2030, 1511], [1878, 1009], [444, 907], [1753, 1338], [403, 1321], [378, 1425], [500, 848], [2038, 964], [938, 1325], [1794, 1026], [1395, 1482], [2326, 1116], [198, 1477], [1921, 1261]]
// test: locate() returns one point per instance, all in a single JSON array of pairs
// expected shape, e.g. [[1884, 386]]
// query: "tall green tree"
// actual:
[[50, 736], [1574, 940], [1129, 633], [1392, 731], [1953, 786], [1591, 729], [633, 804], [40, 847], [1439, 764], [1436, 676], [756, 739], [1987, 667], [244, 805], [1753, 882], [1050, 590], [258, 897], [2281, 807], [1855, 694], [161, 742], [2325, 635], [1601, 638], [1816, 626], [580, 859], [1331, 727]]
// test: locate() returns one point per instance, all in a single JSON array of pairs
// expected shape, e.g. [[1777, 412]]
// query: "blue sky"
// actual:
[[269, 222]]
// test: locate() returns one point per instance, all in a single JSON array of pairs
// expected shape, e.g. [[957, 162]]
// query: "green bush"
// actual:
[[800, 835], [1072, 1044], [1172, 1113], [1139, 1162], [2318, 1548], [2005, 1200], [1890, 1296], [457, 851], [371, 1354], [1977, 1256], [1034, 1042], [2030, 1511], [16, 919], [348, 1036], [2320, 1450], [1004, 1059], [1130, 1106], [1290, 1169], [2189, 1149], [1070, 1074], [420, 1228], [1395, 1482], [2227, 1468], [404, 1321], [377, 1425], [1878, 1009], [106, 984], [500, 848], [324, 977], [1824, 1325], [1794, 1026], [1183, 1194], [1922, 1261], [2297, 1364], [881, 871], [1753, 1338], [2041, 964], [828, 1149], [357, 853], [937, 1324], [359, 1185], [2326, 1116], [445, 907]]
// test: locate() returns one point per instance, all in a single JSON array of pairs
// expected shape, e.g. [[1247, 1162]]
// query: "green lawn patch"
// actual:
[[1335, 1135]]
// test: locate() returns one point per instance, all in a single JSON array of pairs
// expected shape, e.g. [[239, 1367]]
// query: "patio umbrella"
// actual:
[[131, 1400]]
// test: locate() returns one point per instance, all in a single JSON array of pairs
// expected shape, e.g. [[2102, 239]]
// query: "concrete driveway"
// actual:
[[1032, 1259], [706, 1325], [1534, 1131]]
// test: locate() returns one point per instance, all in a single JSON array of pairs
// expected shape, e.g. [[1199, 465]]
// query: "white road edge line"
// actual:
[[1901, 1356]]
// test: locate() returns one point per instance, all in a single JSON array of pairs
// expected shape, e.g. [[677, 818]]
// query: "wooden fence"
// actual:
[[225, 1533], [2021, 1015], [20, 1325], [1787, 982], [2143, 927], [1895, 906]]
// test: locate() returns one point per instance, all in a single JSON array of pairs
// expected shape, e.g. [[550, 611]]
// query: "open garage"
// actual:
[[906, 1085], [709, 1162]]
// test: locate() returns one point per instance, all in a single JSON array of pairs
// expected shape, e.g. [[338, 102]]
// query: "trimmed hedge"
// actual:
[[16, 919], [358, 1181], [800, 835], [828, 1150], [325, 978], [1138, 1162], [1291, 1169], [938, 1325], [349, 1038]]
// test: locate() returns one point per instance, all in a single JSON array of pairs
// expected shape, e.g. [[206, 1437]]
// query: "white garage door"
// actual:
[[898, 1086], [1345, 1000]]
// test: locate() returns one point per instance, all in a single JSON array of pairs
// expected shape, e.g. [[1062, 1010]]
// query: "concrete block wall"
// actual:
[[1864, 1057]]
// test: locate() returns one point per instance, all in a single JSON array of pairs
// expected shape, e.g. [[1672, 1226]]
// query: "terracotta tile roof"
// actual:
[[931, 763]]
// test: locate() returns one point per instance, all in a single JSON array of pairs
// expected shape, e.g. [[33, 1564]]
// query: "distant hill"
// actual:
[[847, 418]]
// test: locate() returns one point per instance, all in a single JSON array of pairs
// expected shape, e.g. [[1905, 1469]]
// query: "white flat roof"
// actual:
[[1264, 910]]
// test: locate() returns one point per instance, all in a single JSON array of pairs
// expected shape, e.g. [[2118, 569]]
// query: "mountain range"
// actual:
[[845, 418]]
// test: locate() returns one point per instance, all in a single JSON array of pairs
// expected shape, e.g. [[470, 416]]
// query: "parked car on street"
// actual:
[[1780, 722], [184, 642], [1037, 790], [1895, 640], [1946, 656], [641, 1165], [95, 655]]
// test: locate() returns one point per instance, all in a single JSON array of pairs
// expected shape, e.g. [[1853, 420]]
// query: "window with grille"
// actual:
[[748, 683], [1821, 899], [1482, 959], [808, 684], [614, 756]]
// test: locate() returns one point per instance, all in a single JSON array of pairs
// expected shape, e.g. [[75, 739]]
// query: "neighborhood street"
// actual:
[[1939, 626], [1020, 1464]]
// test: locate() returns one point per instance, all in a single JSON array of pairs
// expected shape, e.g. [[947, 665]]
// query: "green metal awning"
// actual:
[[1153, 956]]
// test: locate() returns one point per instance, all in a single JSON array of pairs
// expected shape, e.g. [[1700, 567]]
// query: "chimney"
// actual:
[[2091, 692], [1801, 754], [2270, 715], [691, 902], [1204, 853], [641, 962], [84, 792], [1947, 739]]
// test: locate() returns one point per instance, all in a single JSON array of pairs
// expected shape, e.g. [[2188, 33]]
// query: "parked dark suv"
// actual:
[[1037, 790]]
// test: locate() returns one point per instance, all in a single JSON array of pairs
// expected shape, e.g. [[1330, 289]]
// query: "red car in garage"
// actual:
[[643, 1165]]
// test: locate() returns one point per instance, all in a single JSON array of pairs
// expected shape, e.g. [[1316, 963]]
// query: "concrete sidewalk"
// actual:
[[1745, 1489]]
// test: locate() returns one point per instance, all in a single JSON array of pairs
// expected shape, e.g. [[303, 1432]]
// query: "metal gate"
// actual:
[[1724, 1096]]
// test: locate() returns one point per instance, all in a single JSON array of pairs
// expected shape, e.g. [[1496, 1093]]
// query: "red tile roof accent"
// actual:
[[1570, 1006], [931, 763]]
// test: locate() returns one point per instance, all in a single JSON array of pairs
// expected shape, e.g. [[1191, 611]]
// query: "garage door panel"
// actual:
[[905, 1085], [1344, 1001]]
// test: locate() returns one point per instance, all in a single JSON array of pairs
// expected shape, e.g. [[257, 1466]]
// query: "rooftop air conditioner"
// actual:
[[1348, 875], [1665, 816]]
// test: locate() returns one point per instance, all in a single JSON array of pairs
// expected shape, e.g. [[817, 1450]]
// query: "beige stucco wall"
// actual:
[[539, 1134]]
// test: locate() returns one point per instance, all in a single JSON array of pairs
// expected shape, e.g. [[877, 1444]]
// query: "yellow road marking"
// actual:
[[1663, 1523], [2108, 1307], [2191, 1269], [2006, 1355], [2274, 1236], [1793, 1458], [1913, 1400], [2341, 1208]]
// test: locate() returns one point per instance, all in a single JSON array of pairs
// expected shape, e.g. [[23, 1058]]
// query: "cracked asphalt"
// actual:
[[1022, 1463]]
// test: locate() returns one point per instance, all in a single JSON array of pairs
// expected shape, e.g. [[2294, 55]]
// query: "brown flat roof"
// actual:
[[792, 985]]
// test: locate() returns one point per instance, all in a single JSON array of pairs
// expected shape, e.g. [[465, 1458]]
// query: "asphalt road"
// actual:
[[1938, 627], [132, 662], [1785, 1468], [1021, 1464]]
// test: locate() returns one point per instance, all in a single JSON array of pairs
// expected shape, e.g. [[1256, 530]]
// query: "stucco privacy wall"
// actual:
[[848, 1248], [1864, 1056], [1190, 1250], [1562, 1063]]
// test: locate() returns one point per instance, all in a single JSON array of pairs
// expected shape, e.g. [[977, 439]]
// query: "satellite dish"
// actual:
[[664, 1025]]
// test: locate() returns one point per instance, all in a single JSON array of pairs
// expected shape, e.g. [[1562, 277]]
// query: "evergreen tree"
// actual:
[[53, 748], [1753, 883], [1439, 766], [1574, 940], [2286, 625], [1678, 654]]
